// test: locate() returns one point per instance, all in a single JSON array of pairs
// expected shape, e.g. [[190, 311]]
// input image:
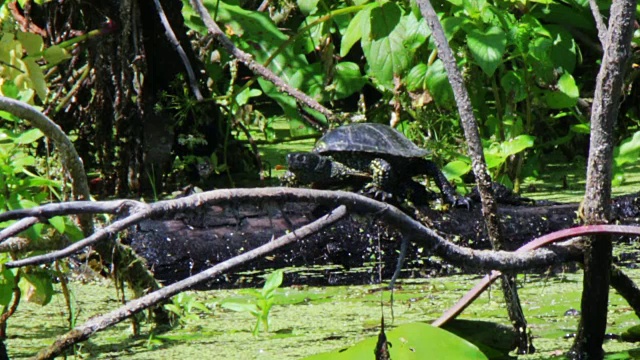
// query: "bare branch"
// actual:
[[96, 324], [257, 68], [598, 249], [600, 25], [71, 208], [18, 227], [88, 241], [173, 40], [70, 158]]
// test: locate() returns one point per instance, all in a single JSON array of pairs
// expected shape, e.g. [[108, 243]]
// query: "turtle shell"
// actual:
[[368, 138]]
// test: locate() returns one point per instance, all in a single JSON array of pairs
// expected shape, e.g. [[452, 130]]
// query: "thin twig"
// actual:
[[171, 36], [600, 25], [18, 227]]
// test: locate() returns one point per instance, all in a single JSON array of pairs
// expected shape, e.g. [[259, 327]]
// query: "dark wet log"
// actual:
[[187, 243]]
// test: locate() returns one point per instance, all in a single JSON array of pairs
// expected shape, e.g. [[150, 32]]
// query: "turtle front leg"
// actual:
[[450, 194], [382, 180], [289, 179]]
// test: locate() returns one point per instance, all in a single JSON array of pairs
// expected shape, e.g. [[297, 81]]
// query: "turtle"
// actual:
[[375, 158]]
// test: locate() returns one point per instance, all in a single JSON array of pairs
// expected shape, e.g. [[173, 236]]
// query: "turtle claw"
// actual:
[[377, 193]]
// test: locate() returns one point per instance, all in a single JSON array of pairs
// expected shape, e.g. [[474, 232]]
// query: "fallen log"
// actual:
[[346, 253]]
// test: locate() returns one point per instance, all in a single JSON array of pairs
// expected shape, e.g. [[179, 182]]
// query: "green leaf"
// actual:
[[456, 169], [487, 48], [628, 151], [355, 30], [37, 78], [29, 136], [241, 307], [581, 128], [347, 80], [274, 280], [419, 32], [516, 145], [308, 7], [247, 94], [255, 33], [7, 279], [410, 341], [55, 55], [493, 160], [438, 84], [9, 89], [58, 223], [384, 47], [417, 77], [310, 80], [563, 52], [32, 43], [37, 287], [567, 94], [514, 86]]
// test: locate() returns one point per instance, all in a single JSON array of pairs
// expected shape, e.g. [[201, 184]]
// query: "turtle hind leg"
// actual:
[[448, 191]]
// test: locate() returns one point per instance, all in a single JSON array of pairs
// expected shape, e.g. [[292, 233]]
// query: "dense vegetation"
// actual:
[[148, 119]]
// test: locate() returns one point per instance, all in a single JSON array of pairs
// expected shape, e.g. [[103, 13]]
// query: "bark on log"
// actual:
[[187, 243]]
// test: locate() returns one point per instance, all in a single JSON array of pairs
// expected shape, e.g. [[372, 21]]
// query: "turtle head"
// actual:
[[308, 167]]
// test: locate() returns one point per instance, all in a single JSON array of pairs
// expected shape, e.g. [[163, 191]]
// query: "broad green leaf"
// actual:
[[247, 94], [409, 342], [9, 89], [384, 48], [474, 8], [451, 25], [628, 151], [456, 169], [438, 84], [419, 32], [254, 32], [29, 136], [32, 43], [309, 79], [384, 20], [572, 16], [487, 48], [37, 78], [355, 30], [514, 86], [274, 280], [20, 161], [58, 223], [493, 160], [347, 80], [308, 7], [7, 279], [37, 287], [563, 52], [566, 95], [55, 55], [241, 307], [516, 145], [417, 77]]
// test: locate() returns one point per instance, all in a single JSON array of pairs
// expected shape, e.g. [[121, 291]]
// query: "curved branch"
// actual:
[[96, 324], [68, 154], [173, 40]]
